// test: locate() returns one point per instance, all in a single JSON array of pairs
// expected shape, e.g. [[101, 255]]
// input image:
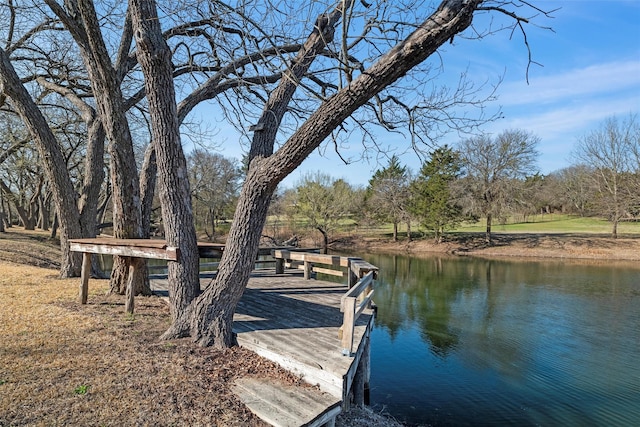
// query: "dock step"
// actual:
[[287, 406]]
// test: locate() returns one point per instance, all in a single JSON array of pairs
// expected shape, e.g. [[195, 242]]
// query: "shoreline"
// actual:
[[36, 249], [565, 246]]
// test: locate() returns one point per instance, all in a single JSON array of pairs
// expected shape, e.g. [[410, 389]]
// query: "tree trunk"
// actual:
[[54, 164], [148, 180], [409, 230], [211, 318], [325, 240], [127, 213], [395, 231], [154, 58], [487, 236], [83, 24], [44, 212], [54, 226]]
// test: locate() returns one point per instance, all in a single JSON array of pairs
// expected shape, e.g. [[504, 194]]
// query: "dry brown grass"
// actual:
[[29, 247], [53, 348]]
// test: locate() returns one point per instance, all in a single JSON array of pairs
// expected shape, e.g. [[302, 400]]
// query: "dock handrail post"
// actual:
[[308, 267], [133, 265], [348, 324], [352, 276], [279, 265]]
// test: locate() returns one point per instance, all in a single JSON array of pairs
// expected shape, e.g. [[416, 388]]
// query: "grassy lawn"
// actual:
[[555, 223]]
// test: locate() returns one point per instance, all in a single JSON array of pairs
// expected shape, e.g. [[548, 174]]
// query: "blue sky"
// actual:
[[590, 71]]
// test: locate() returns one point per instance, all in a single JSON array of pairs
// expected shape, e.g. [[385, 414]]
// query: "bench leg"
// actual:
[[133, 263], [84, 277]]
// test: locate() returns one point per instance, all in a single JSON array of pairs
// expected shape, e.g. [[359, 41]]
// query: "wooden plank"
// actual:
[[110, 241], [328, 271], [334, 260], [168, 252], [286, 406]]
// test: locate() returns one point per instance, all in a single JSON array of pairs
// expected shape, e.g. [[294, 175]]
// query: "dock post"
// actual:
[[279, 265], [361, 379], [366, 369], [352, 277], [308, 267]]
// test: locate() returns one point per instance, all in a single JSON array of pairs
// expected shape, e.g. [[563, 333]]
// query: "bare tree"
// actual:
[[207, 318], [215, 184], [307, 82], [490, 166], [575, 189], [324, 202], [65, 197], [611, 153]]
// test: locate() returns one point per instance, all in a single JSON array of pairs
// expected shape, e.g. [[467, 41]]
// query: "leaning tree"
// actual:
[[365, 76]]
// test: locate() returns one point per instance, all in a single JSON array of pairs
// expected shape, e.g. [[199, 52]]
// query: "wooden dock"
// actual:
[[316, 329], [296, 323]]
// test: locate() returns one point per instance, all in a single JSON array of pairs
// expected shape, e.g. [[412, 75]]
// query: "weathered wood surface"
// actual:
[[295, 323], [153, 248], [135, 248], [284, 405]]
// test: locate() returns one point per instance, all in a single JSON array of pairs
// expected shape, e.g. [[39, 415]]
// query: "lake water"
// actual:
[[463, 341]]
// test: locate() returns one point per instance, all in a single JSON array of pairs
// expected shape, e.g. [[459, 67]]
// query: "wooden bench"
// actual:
[[131, 249], [135, 249]]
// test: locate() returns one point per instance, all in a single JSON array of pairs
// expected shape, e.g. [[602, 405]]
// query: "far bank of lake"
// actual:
[[513, 245]]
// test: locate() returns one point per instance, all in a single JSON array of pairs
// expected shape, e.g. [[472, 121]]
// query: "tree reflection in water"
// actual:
[[524, 342]]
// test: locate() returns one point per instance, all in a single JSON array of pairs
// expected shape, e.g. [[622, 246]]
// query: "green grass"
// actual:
[[554, 223], [544, 224]]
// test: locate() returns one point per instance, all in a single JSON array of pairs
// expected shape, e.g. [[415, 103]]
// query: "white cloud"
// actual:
[[578, 83]]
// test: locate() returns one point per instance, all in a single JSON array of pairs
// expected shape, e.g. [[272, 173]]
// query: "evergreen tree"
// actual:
[[388, 194], [431, 199]]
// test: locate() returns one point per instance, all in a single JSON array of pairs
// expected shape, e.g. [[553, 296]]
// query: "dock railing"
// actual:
[[360, 277]]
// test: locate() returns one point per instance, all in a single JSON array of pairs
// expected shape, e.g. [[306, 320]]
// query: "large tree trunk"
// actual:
[[54, 164], [84, 25], [210, 320], [154, 57]]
